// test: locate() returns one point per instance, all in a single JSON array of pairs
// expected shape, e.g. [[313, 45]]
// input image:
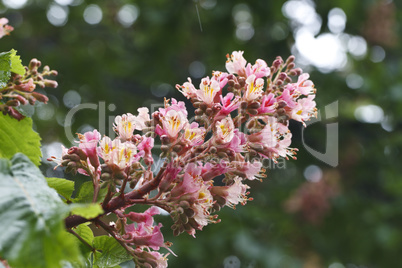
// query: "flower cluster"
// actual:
[[20, 89], [241, 118]]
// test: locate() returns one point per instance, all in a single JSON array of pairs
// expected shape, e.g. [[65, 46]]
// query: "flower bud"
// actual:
[[165, 139], [13, 103], [105, 176], [254, 105], [199, 111], [213, 150], [21, 99], [203, 106], [184, 204], [252, 111], [242, 81], [290, 59], [177, 148], [208, 111], [282, 76], [164, 148], [50, 83], [290, 66], [33, 64], [196, 104], [243, 105], [189, 212], [184, 218]]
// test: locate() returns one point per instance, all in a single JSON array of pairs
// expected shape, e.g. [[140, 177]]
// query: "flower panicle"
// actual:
[[241, 118]]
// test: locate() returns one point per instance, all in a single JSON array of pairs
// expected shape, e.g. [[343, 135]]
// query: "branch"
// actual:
[[119, 201]]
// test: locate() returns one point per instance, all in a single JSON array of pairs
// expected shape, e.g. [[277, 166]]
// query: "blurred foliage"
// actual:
[[357, 211]]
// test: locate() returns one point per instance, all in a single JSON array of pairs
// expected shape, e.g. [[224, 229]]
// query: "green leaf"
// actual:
[[5, 68], [19, 137], [32, 218], [88, 211], [64, 187], [86, 193], [112, 252], [16, 64], [85, 232]]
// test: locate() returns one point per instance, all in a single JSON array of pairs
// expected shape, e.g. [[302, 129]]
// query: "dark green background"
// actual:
[[107, 62]]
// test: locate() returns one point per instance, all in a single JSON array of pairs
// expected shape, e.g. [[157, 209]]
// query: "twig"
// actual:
[[81, 239], [119, 202], [108, 229]]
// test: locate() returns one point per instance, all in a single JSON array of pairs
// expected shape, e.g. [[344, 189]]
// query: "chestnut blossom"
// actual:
[[304, 109], [4, 28], [224, 130], [254, 88], [208, 90], [235, 64], [259, 69], [187, 89], [127, 123], [304, 86], [233, 194], [194, 135], [89, 144], [172, 123]]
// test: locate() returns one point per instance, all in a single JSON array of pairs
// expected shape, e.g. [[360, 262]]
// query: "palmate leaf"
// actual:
[[31, 218], [19, 137]]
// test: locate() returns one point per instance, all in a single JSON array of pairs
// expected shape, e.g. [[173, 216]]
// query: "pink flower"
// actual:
[[210, 171], [229, 104], [235, 64], [105, 148], [145, 217], [224, 131], [268, 104], [246, 170], [172, 123], [175, 105], [145, 235], [89, 143], [208, 90], [254, 88], [4, 28], [220, 77], [153, 258], [187, 89], [194, 135], [146, 146], [122, 154], [233, 194], [127, 123], [191, 183], [288, 98], [259, 69], [304, 86], [267, 136], [304, 109]]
